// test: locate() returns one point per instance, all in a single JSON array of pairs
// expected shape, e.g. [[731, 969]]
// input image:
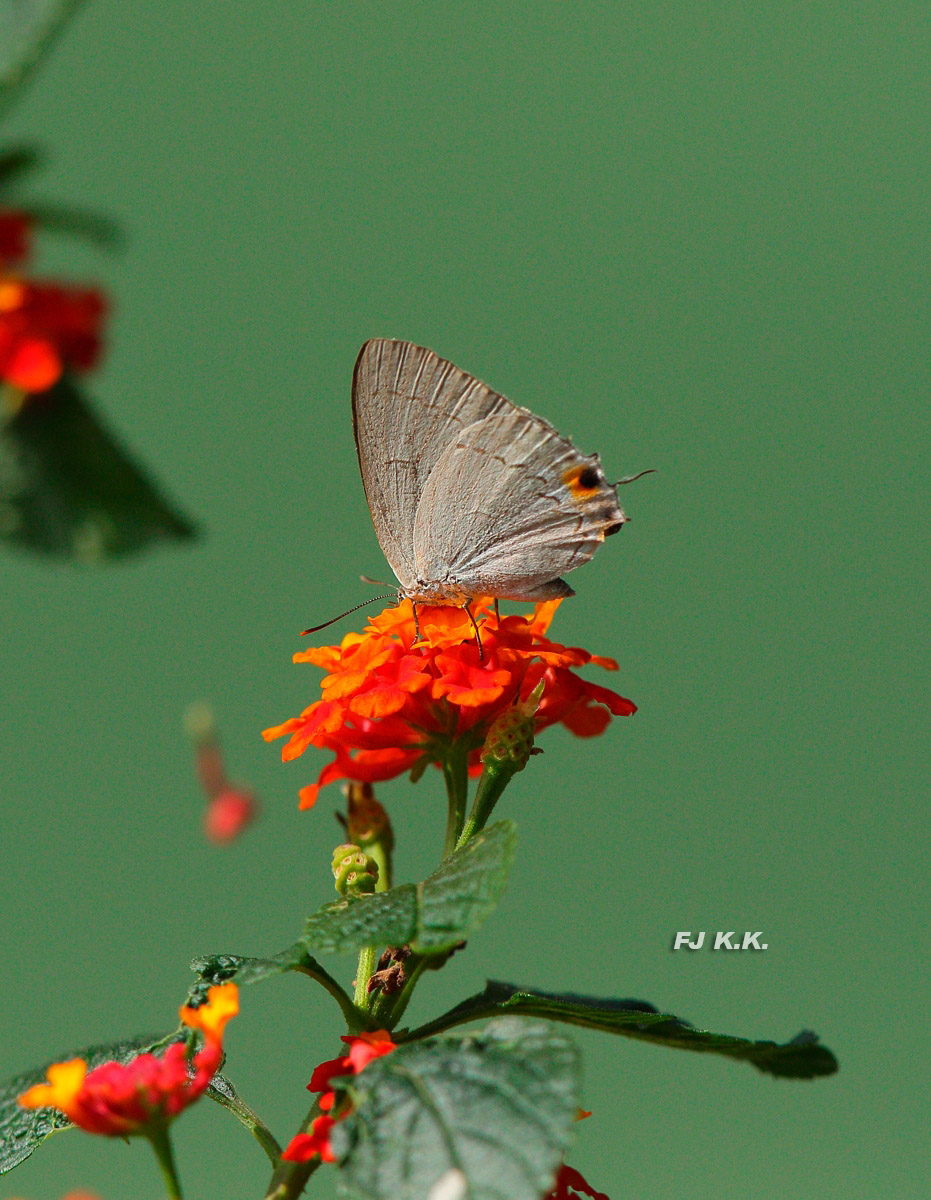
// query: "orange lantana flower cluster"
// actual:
[[391, 702]]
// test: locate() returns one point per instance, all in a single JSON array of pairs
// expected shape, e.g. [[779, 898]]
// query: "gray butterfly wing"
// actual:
[[408, 405], [509, 507]]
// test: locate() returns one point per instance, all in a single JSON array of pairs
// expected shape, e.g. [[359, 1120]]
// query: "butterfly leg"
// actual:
[[478, 636], [497, 612], [416, 624]]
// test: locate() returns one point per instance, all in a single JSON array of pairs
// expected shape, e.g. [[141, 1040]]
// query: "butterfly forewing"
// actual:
[[408, 405]]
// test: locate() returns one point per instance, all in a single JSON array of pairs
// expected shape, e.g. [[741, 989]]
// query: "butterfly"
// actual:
[[471, 495]]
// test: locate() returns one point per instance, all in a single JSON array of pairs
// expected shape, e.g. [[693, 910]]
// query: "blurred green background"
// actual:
[[695, 237]]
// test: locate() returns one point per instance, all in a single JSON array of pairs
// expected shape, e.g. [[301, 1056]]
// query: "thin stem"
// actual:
[[161, 1144], [495, 778], [382, 857], [249, 1118], [363, 974], [290, 1178], [456, 775], [354, 1018]]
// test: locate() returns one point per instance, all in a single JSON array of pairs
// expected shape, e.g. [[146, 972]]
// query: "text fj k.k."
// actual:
[[722, 941]]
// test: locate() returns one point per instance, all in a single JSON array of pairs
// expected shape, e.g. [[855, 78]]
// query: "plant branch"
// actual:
[[355, 1018]]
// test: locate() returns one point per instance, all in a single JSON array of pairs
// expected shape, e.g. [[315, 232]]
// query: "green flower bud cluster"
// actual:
[[355, 872], [509, 741]]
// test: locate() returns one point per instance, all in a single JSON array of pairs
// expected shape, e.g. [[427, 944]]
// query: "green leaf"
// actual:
[[221, 968], [498, 1107], [16, 161], [432, 916], [27, 29], [382, 918], [463, 893], [22, 1129], [801, 1058], [68, 489]]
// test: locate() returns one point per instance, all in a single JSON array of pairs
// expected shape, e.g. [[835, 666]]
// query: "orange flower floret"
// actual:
[[391, 700], [123, 1099]]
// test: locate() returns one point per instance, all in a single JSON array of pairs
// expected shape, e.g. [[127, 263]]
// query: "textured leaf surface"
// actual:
[[221, 968], [26, 29], [68, 489], [499, 1107], [384, 918], [21, 1129], [801, 1058], [434, 915], [460, 896]]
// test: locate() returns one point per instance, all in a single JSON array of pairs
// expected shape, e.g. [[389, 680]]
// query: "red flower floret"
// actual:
[[362, 1050], [389, 702]]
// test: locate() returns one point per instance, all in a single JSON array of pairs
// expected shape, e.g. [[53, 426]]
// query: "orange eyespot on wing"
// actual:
[[582, 482]]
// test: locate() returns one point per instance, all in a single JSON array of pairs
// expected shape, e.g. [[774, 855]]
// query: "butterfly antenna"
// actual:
[[631, 478], [355, 608]]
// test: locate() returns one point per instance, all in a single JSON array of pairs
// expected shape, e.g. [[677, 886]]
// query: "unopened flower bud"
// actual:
[[355, 872], [510, 739], [367, 820]]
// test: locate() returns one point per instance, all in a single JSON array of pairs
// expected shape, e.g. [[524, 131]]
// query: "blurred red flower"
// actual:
[[15, 236], [123, 1099], [44, 328], [231, 808], [570, 1185], [388, 705]]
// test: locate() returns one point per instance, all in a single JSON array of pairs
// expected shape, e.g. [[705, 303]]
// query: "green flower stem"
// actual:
[[495, 778], [456, 775], [290, 1178], [249, 1118], [382, 856], [363, 974], [161, 1144]]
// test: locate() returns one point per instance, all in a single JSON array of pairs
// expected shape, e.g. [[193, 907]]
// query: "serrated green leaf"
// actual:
[[27, 28], [498, 1107], [460, 896], [222, 968], [801, 1058], [382, 918], [22, 1129], [68, 489], [432, 916]]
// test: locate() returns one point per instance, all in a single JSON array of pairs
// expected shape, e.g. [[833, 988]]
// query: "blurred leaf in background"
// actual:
[[27, 29]]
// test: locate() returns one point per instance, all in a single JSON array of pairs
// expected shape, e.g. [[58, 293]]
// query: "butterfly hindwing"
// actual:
[[509, 507]]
